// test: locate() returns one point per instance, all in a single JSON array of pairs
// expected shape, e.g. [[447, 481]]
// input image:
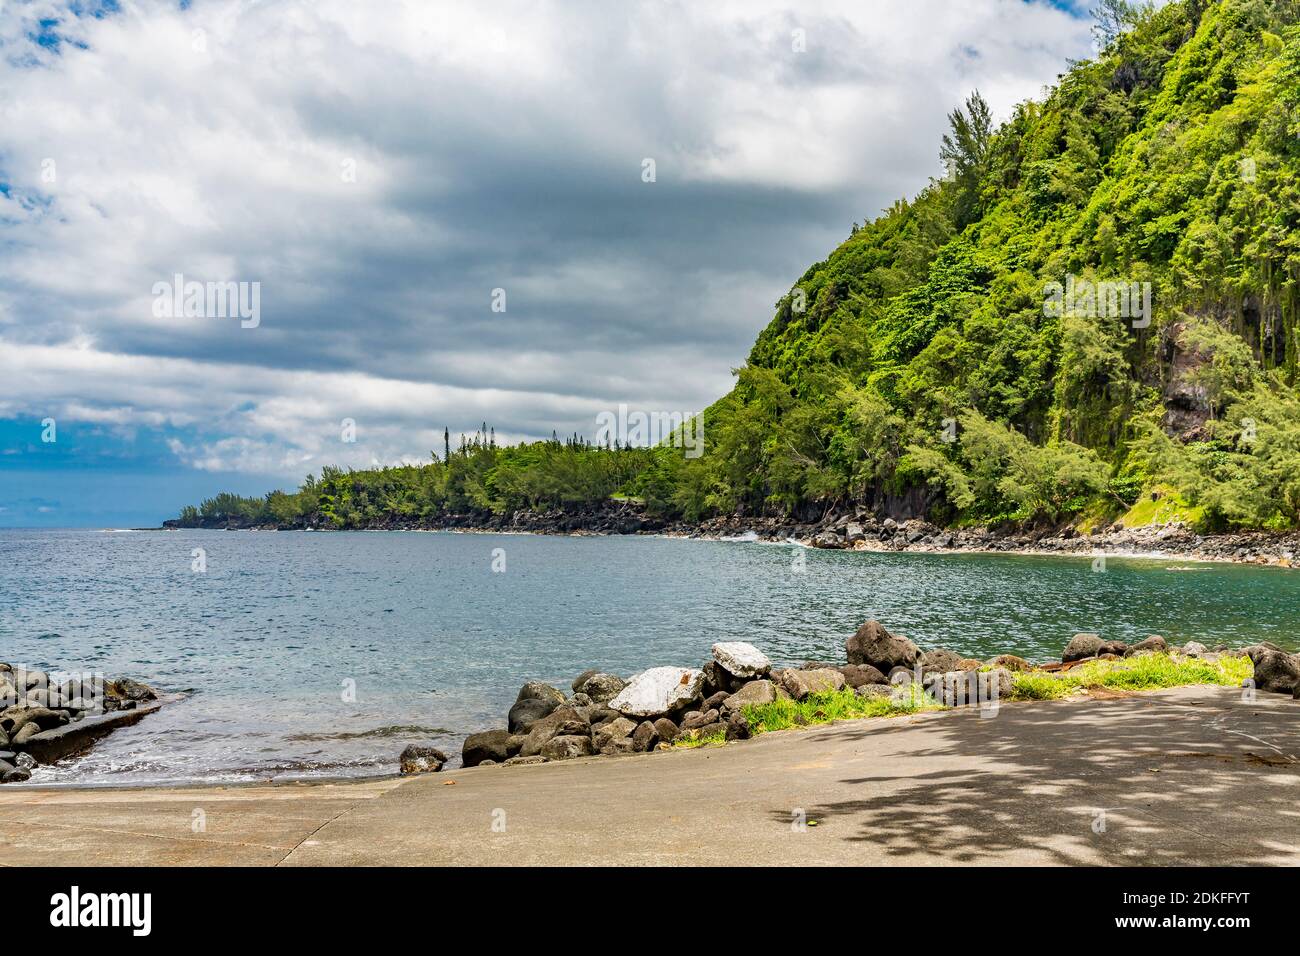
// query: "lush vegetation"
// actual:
[[923, 359], [1140, 672], [828, 706]]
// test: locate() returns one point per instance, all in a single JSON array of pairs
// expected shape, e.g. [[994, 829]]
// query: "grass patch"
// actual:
[[1143, 672], [690, 739], [835, 705]]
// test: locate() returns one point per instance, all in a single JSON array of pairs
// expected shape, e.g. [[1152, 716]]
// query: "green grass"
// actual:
[[690, 739], [1144, 672], [834, 705]]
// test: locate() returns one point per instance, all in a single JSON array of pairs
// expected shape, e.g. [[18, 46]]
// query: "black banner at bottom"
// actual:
[[144, 906]]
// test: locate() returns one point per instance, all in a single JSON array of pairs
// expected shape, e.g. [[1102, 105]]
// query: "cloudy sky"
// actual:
[[380, 169]]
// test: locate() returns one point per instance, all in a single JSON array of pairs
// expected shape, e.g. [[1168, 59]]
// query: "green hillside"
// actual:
[[930, 364]]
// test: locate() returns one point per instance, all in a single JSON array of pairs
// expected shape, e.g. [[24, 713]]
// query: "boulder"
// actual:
[[715, 701], [874, 690], [1011, 662], [666, 729], [16, 775], [616, 729], [527, 712], [799, 684], [602, 688], [646, 736], [829, 540], [740, 659], [658, 691], [421, 758], [755, 692], [566, 746], [959, 688], [579, 700], [855, 675], [940, 660], [582, 679], [697, 719], [489, 745], [537, 690], [1082, 646], [128, 689], [1195, 649], [874, 645], [563, 721], [737, 726], [517, 761], [1155, 643], [1275, 671]]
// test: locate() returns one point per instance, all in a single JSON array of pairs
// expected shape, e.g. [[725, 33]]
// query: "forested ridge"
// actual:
[[927, 367]]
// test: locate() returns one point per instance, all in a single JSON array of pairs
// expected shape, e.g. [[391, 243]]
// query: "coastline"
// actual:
[[856, 531]]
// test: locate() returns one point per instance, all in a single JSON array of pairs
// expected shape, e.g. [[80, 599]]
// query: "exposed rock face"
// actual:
[[800, 683], [489, 745], [602, 688], [755, 692], [420, 758], [874, 645], [740, 659], [658, 691], [1082, 646]]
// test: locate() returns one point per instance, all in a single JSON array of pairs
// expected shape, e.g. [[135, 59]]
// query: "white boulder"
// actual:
[[658, 690], [740, 659]]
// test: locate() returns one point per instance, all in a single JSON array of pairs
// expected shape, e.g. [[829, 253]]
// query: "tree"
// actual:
[[1113, 17], [965, 153]]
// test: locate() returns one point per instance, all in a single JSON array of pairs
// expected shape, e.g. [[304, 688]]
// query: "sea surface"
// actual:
[[299, 654]]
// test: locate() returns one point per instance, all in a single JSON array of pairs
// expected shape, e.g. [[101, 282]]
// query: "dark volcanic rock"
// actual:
[[421, 758], [855, 675], [489, 745], [527, 712], [1082, 646], [874, 645]]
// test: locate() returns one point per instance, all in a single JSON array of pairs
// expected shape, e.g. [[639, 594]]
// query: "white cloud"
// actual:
[[494, 144]]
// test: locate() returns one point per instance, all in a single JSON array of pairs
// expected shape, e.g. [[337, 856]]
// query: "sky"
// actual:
[[524, 214]]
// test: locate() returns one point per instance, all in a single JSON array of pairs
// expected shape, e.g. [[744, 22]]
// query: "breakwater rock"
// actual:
[[47, 716], [663, 707]]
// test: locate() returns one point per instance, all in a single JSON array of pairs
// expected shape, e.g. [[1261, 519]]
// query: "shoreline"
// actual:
[[1262, 549]]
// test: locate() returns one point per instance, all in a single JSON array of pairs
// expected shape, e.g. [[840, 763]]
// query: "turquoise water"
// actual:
[[437, 644]]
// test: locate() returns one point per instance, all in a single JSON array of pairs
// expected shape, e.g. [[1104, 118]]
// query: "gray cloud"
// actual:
[[493, 146]]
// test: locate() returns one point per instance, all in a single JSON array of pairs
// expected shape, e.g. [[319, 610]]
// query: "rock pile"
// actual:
[[604, 714], [43, 718]]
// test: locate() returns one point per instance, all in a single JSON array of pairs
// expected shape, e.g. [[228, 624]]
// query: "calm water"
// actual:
[[438, 644]]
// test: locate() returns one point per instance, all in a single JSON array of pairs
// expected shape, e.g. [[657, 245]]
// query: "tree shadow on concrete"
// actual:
[[1191, 777]]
